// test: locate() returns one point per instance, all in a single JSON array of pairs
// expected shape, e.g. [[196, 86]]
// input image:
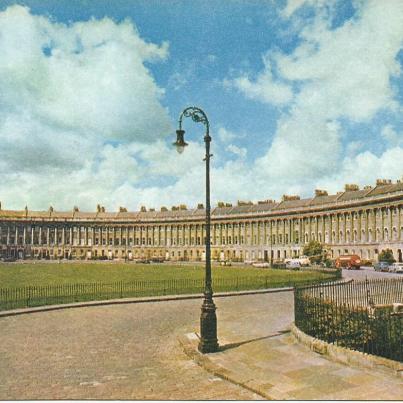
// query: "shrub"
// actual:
[[314, 250], [387, 256]]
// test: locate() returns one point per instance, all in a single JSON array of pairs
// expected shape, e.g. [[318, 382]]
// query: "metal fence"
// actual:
[[356, 315], [13, 298]]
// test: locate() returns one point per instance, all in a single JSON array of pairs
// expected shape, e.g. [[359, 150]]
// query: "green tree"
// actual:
[[314, 250], [386, 256]]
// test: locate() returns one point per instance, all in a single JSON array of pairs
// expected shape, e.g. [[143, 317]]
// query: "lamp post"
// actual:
[[208, 319]]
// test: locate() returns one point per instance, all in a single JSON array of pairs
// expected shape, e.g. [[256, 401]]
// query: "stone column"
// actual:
[[352, 226], [366, 226], [277, 225], [338, 228], [40, 236]]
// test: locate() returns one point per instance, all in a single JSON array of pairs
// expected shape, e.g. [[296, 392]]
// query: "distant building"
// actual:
[[353, 221]]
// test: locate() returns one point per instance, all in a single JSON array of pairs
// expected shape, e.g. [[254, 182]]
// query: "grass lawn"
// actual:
[[43, 274], [34, 284]]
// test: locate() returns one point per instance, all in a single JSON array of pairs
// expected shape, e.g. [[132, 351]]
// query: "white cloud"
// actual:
[[392, 137], [226, 135], [239, 151], [340, 74], [65, 92], [265, 88]]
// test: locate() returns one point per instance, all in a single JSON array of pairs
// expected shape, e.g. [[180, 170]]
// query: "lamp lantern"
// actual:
[[180, 143]]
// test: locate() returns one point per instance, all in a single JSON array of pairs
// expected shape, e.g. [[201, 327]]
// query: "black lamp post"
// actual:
[[208, 319]]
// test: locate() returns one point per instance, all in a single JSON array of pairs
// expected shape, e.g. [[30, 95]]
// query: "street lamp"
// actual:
[[208, 319]]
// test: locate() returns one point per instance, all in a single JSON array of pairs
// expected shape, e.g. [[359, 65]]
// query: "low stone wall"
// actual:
[[347, 356]]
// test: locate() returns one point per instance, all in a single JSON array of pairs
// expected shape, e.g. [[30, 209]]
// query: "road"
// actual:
[[126, 351], [368, 272]]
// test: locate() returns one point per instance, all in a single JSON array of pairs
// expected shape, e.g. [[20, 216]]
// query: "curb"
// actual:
[[189, 344], [347, 356], [47, 308]]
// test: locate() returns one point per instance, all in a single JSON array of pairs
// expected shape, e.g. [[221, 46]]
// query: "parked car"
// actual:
[[293, 264], [157, 259], [8, 259], [396, 267], [261, 264], [142, 261], [381, 266], [348, 262], [304, 260], [278, 264]]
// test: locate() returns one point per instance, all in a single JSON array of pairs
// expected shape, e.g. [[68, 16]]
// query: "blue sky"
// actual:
[[300, 95]]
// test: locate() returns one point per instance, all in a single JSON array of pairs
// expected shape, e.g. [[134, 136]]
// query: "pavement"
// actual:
[[277, 367], [265, 358], [118, 352]]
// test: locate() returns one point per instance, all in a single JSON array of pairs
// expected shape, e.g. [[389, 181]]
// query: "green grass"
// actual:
[[44, 274], [29, 284]]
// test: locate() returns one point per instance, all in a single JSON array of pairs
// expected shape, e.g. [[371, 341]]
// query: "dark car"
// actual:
[[381, 266], [9, 259]]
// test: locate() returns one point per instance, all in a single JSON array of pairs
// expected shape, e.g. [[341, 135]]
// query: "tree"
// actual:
[[314, 250], [386, 256]]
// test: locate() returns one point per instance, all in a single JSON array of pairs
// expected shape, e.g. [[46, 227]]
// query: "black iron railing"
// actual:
[[13, 298], [357, 315]]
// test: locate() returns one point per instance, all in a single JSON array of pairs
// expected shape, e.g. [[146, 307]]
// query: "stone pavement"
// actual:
[[128, 351], [278, 367]]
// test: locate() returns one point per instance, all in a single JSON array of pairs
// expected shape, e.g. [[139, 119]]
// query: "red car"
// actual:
[[348, 261]]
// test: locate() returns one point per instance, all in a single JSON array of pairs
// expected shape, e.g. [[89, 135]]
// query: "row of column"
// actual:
[[370, 225]]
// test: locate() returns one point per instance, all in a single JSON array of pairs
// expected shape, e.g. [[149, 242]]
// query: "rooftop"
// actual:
[[383, 187]]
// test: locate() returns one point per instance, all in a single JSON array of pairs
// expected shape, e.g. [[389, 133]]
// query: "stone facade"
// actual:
[[362, 222]]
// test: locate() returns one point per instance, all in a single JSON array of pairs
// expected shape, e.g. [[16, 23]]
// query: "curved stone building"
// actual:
[[362, 222]]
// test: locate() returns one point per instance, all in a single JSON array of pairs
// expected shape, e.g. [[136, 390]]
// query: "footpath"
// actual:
[[278, 367]]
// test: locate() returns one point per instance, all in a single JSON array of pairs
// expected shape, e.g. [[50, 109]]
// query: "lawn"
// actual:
[[44, 274], [35, 284]]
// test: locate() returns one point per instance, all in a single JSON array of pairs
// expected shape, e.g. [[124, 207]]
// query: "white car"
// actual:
[[396, 268], [293, 264], [261, 264], [304, 261]]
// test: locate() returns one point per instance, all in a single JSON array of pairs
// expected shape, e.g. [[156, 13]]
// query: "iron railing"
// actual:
[[22, 297], [356, 315]]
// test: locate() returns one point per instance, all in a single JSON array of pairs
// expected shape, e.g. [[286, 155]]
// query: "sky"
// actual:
[[300, 95]]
